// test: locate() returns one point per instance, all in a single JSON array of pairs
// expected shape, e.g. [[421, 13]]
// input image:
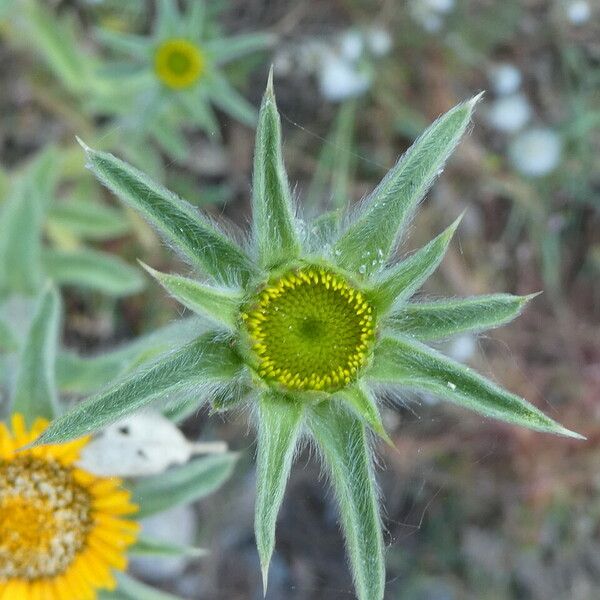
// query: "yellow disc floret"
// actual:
[[178, 63], [62, 530], [309, 330]]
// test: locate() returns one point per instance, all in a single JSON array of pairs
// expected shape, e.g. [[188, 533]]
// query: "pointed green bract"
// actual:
[[342, 441], [8, 341], [200, 242], [226, 97], [401, 281], [132, 589], [279, 425], [35, 389], [370, 238], [219, 305], [443, 318], [227, 49], [273, 218], [364, 405], [411, 364], [92, 269], [146, 546], [204, 360], [183, 484]]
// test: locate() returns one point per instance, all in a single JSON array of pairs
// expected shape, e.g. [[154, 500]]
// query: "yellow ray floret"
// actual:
[[178, 63], [62, 530], [310, 329]]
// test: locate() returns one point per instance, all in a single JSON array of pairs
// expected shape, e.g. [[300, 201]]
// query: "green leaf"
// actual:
[[195, 19], [177, 220], [133, 589], [8, 341], [184, 484], [363, 404], [91, 269], [127, 43], [411, 364], [279, 426], [443, 318], [224, 50], [370, 238], [217, 304], [342, 441], [273, 217], [89, 220], [206, 359], [35, 389], [401, 281], [145, 546], [85, 374], [167, 18], [169, 138], [228, 99]]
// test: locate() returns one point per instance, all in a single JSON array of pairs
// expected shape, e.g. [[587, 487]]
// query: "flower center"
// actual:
[[44, 518], [310, 330], [178, 63]]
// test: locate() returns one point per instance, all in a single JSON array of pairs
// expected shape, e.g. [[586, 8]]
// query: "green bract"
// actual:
[[174, 76], [306, 328]]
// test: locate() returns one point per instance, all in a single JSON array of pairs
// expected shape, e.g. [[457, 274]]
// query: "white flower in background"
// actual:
[[379, 41], [463, 347], [352, 45], [505, 78], [536, 152], [430, 13], [578, 12], [340, 79], [144, 444], [509, 113]]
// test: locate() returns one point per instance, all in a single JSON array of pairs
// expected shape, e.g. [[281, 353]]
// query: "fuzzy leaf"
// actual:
[[93, 270], [411, 364], [85, 374], [175, 219], [280, 421], [132, 589], [89, 220], [218, 304], [401, 281], [370, 239], [203, 360], [363, 404], [146, 546], [273, 218], [35, 389], [225, 50], [184, 484], [342, 441], [443, 318]]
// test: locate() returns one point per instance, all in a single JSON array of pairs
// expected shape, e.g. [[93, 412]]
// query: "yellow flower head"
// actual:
[[62, 529], [178, 63], [310, 329]]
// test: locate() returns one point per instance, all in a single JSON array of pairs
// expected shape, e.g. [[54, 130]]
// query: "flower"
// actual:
[[63, 529], [505, 78], [308, 326], [536, 152], [509, 113], [178, 63]]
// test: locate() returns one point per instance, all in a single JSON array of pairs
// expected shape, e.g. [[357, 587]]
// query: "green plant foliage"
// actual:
[[149, 547], [318, 329]]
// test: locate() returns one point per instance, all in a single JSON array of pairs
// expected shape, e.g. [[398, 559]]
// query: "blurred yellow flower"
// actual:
[[63, 529], [178, 63]]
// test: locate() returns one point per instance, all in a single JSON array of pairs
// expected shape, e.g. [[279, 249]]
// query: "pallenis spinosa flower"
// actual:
[[307, 325]]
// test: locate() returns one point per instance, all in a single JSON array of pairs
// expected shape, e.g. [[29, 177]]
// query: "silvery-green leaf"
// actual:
[[219, 305], [197, 105], [176, 220], [279, 426], [132, 589], [206, 359], [35, 389], [167, 18], [401, 281], [145, 546], [94, 270], [408, 363], [370, 238], [363, 404], [224, 50], [127, 43], [273, 218], [8, 341], [228, 99], [194, 19], [443, 318], [170, 139], [342, 441], [184, 484], [85, 374], [89, 220]]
